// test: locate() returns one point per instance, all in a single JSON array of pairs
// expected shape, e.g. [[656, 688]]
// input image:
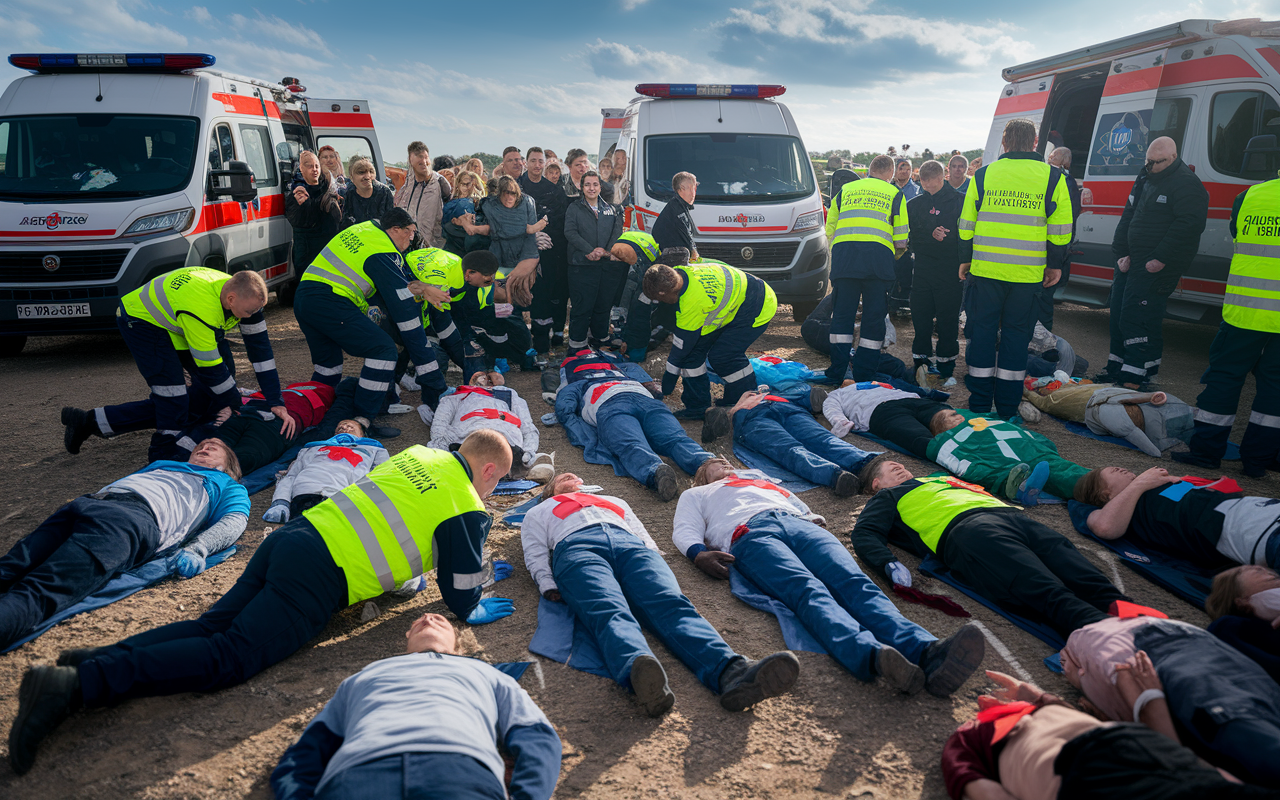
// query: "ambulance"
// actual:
[[759, 205], [1211, 86], [115, 168]]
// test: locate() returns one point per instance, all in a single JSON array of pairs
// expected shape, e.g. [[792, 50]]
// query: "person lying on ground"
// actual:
[[739, 519], [602, 393], [591, 552], [1244, 605], [1005, 555], [421, 510], [784, 430], [1153, 421], [196, 506], [430, 723], [322, 469], [481, 405], [1028, 744], [1226, 705], [894, 414], [1210, 523], [1048, 353]]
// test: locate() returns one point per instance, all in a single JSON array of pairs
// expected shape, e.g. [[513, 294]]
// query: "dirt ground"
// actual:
[[831, 736]]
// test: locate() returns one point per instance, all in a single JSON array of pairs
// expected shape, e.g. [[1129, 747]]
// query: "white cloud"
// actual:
[[277, 29], [200, 14], [632, 5]]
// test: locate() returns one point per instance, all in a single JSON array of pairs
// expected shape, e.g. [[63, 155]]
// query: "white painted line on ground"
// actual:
[[1115, 570], [1002, 650], [537, 670]]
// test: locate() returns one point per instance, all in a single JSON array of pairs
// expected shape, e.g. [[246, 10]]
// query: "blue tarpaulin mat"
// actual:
[[1080, 429], [934, 568], [515, 515], [560, 638], [262, 477], [513, 668], [794, 633], [783, 477], [514, 487], [120, 587]]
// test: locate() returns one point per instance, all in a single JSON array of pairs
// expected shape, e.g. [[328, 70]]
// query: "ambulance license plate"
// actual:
[[53, 310]]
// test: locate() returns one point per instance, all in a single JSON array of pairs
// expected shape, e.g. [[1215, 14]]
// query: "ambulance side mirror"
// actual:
[[1261, 157], [236, 182]]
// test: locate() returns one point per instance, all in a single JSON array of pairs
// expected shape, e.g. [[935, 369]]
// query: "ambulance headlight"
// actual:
[[156, 223], [807, 222]]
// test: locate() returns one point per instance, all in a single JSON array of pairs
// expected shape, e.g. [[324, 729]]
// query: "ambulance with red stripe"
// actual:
[[1211, 86], [759, 206], [115, 168]]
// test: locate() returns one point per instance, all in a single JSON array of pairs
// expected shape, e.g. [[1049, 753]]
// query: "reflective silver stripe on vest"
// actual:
[[883, 236], [408, 545], [368, 540], [206, 355], [863, 212], [901, 229], [1250, 282], [161, 320], [967, 225], [1257, 249], [724, 301], [1059, 230], [338, 278], [1013, 244], [1008, 258], [1248, 301], [253, 327], [1013, 219], [337, 263]]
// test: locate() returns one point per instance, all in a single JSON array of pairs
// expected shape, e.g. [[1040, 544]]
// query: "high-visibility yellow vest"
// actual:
[[929, 508], [647, 244], [341, 262], [438, 268], [714, 292], [188, 304], [866, 213], [1006, 215], [1252, 298], [380, 530]]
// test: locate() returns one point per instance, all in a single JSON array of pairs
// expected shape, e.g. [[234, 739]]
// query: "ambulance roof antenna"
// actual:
[[99, 97]]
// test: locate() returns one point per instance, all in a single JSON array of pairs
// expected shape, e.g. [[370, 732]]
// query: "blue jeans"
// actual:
[[615, 584], [804, 567], [792, 437], [637, 429], [416, 776]]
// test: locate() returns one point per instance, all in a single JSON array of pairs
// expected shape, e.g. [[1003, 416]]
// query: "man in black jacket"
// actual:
[[934, 216], [1060, 159], [674, 227], [1158, 236], [551, 291]]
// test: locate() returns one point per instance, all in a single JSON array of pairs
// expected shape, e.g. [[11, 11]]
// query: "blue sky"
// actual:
[[861, 74]]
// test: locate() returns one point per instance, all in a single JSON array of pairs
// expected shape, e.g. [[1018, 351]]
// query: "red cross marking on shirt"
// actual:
[[759, 483], [602, 365], [600, 389], [493, 413], [567, 504], [336, 453], [473, 390]]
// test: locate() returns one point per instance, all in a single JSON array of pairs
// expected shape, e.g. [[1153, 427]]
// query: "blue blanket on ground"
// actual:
[[514, 516], [262, 477], [120, 587], [1080, 429], [513, 668], [783, 477], [934, 568], [883, 442], [794, 633], [561, 638], [506, 488], [1182, 578]]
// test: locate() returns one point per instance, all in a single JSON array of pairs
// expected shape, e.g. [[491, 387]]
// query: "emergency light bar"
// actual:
[[738, 91], [100, 62]]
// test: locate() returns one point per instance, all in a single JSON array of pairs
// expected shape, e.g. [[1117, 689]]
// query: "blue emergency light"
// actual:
[[100, 62], [736, 91]]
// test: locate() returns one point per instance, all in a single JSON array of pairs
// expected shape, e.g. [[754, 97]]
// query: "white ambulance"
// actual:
[[115, 168], [1211, 86], [759, 206]]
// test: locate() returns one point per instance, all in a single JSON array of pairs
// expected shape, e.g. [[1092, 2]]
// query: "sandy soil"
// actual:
[[832, 736]]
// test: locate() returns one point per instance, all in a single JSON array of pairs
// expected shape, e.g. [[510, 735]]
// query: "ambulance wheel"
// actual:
[[285, 292], [11, 345], [801, 311]]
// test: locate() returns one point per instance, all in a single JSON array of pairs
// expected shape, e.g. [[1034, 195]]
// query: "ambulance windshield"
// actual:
[[737, 168], [95, 156]]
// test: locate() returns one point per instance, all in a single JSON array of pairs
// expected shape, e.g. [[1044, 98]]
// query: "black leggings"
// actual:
[[905, 422]]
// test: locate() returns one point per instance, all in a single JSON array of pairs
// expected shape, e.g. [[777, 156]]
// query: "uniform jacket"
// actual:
[[926, 212], [328, 466], [1163, 218], [586, 230]]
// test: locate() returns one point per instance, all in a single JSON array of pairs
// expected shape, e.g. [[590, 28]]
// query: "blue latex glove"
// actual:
[[491, 609], [501, 569], [898, 573], [278, 512], [190, 563]]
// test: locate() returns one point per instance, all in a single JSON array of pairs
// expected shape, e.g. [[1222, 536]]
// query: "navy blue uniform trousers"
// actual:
[[1235, 353], [1006, 311], [415, 776]]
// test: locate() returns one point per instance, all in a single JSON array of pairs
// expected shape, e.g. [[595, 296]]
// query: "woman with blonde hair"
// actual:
[[474, 165], [364, 198], [468, 191], [1244, 605]]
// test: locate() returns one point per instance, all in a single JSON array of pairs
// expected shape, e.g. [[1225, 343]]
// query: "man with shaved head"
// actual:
[[1156, 239]]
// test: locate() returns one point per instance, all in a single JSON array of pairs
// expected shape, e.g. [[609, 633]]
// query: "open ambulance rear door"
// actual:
[[346, 126]]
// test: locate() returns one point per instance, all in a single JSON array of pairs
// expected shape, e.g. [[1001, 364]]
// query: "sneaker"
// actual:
[[1016, 476], [817, 396], [949, 382], [46, 697], [847, 484], [381, 432], [897, 671], [745, 683], [664, 482], [1190, 457], [690, 413], [541, 473], [715, 424], [1028, 412], [408, 383], [949, 662], [80, 425], [1029, 490], [649, 682]]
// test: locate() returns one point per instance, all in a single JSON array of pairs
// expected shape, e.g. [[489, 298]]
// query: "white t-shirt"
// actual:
[[857, 405], [709, 514]]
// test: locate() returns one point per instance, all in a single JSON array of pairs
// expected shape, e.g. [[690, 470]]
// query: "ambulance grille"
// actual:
[[764, 255], [75, 265]]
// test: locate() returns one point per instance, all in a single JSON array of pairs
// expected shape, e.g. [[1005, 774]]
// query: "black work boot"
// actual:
[[948, 663], [897, 671], [649, 682], [847, 485], [81, 425], [745, 683], [715, 424], [76, 656], [46, 697], [664, 483]]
